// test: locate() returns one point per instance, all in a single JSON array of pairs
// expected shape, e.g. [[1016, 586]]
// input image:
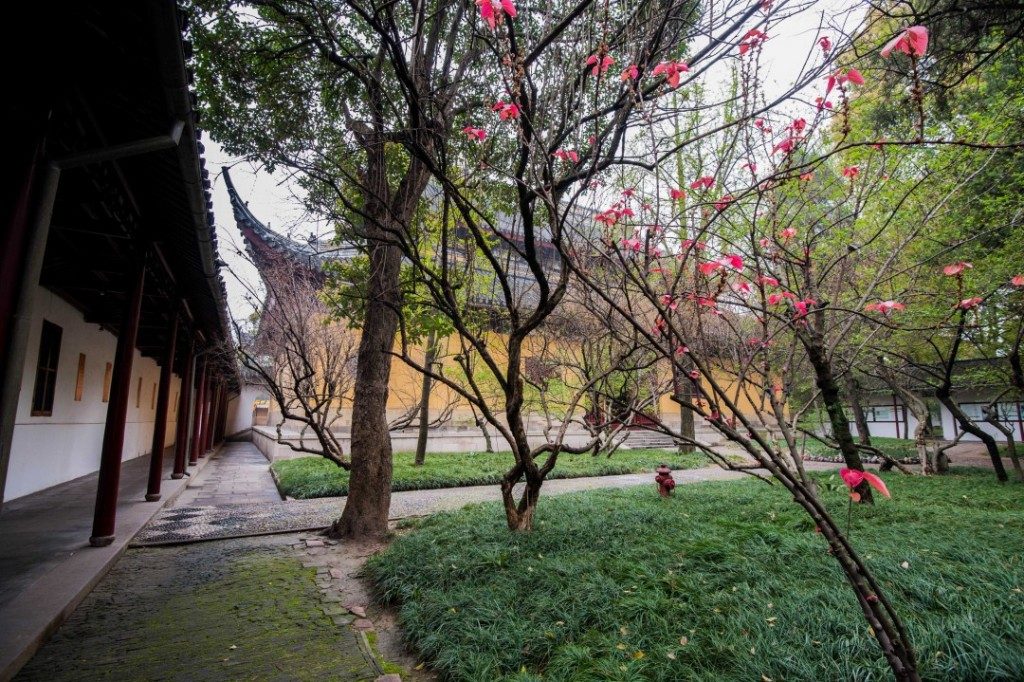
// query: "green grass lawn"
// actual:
[[724, 581], [307, 477]]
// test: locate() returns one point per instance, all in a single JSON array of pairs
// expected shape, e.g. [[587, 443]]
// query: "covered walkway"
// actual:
[[46, 563]]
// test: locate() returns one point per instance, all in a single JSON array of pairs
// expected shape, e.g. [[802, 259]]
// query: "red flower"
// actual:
[[884, 307], [680, 350], [505, 110], [822, 103], [706, 182], [600, 64], [709, 267], [492, 12], [694, 374], [1017, 281], [806, 176], [955, 269], [478, 134], [723, 202], [853, 478], [677, 194], [631, 72], [912, 41], [733, 261], [671, 71], [768, 281], [788, 233], [751, 39], [851, 172], [567, 155], [786, 146], [825, 43], [969, 303]]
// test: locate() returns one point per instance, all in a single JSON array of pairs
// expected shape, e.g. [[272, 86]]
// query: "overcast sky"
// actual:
[[276, 200]]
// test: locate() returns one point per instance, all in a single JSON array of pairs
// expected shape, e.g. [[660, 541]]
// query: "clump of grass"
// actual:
[[308, 477], [723, 581]]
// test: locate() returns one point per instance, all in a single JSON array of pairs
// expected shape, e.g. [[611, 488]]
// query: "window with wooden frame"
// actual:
[[46, 370], [80, 378], [108, 375]]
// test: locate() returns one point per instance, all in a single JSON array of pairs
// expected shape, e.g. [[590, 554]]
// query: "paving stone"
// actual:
[[390, 677], [343, 619], [362, 624], [333, 609], [336, 573], [314, 543]]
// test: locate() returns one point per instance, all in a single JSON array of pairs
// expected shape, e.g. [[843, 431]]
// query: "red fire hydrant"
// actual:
[[664, 480]]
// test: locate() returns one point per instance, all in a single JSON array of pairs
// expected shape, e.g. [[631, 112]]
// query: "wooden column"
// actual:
[[197, 415], [184, 405], [208, 417], [163, 399], [105, 515]]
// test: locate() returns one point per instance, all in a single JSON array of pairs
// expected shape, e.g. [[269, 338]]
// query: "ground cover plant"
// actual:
[[307, 477], [723, 581]]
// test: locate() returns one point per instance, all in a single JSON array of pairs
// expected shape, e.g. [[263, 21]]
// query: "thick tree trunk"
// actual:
[[520, 515], [826, 383], [970, 427], [424, 432], [853, 393], [369, 488]]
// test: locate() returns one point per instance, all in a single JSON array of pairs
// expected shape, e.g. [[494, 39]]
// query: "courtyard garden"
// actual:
[[723, 581], [307, 477]]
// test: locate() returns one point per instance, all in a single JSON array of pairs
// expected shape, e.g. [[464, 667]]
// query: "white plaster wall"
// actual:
[[46, 451], [240, 408]]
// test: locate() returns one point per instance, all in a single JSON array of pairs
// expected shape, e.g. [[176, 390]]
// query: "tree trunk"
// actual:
[[428, 362], [519, 515], [826, 383], [687, 429], [369, 488], [991, 413], [970, 427], [853, 393]]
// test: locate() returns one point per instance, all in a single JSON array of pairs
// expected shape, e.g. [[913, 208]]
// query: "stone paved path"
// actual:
[[194, 522], [232, 610]]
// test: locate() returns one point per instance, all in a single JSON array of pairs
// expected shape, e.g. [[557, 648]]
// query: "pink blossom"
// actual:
[[492, 11], [567, 155], [825, 43], [854, 477], [709, 267], [705, 182], [671, 71], [803, 307], [807, 176], [969, 303], [600, 64], [752, 167], [786, 146], [913, 41], [741, 287], [723, 203], [694, 374], [670, 301], [609, 217], [732, 260], [752, 39], [631, 72], [851, 172], [788, 233], [798, 125], [688, 244], [677, 194], [884, 307], [768, 281], [822, 103], [681, 350], [955, 269], [478, 134], [1017, 281], [506, 110]]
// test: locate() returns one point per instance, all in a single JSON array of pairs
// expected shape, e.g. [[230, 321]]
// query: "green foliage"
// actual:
[[611, 582], [307, 477]]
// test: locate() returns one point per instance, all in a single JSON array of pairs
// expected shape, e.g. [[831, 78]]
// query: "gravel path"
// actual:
[[198, 522]]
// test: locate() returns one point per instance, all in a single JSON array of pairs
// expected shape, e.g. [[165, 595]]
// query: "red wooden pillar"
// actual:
[[105, 515], [197, 415], [163, 399], [208, 418], [184, 405]]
